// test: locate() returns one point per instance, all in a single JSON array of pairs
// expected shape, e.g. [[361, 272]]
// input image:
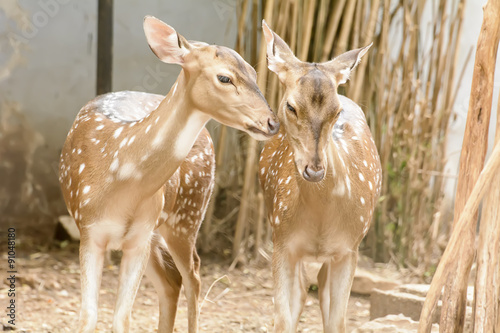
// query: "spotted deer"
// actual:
[[137, 171], [321, 179]]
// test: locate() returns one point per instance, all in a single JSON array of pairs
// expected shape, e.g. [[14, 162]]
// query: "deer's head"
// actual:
[[310, 105], [221, 83]]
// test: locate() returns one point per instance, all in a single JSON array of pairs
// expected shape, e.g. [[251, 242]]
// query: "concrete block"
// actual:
[[392, 324]]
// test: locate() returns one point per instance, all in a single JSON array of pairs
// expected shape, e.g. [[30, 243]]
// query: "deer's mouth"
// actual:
[[258, 131]]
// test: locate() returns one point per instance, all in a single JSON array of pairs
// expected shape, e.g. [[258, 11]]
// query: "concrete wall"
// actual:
[[48, 66]]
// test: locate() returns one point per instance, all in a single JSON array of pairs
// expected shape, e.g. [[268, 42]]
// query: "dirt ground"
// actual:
[[48, 298]]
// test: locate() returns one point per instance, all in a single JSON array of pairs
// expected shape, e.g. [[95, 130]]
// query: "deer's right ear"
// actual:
[[279, 55], [165, 42]]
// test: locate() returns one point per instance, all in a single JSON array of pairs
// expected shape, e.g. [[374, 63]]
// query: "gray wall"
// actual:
[[48, 66], [56, 75]]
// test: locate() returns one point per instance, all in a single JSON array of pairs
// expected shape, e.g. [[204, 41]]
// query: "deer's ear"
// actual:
[[342, 66], [165, 42], [279, 56]]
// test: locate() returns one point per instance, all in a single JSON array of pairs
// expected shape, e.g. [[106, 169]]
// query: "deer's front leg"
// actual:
[[133, 265], [91, 262], [334, 287], [289, 290]]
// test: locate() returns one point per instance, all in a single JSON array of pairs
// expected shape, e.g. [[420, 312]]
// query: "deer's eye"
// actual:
[[291, 108], [224, 79]]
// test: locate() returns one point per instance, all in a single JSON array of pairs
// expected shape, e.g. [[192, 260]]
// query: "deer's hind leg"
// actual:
[[196, 180], [167, 281]]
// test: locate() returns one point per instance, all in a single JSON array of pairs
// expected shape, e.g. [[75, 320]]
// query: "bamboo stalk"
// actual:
[[368, 36], [209, 216], [356, 26], [243, 212], [379, 247], [331, 31], [341, 45], [293, 38], [320, 26], [308, 24], [487, 286], [255, 23], [241, 27]]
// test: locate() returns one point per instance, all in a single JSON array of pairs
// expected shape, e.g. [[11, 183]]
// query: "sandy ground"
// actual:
[[48, 298]]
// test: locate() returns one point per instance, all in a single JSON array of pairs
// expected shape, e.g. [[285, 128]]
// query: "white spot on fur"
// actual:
[[348, 184], [339, 190], [82, 166], [118, 132], [128, 170], [86, 189], [114, 165]]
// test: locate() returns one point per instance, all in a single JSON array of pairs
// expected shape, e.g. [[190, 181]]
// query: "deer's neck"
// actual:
[[163, 139]]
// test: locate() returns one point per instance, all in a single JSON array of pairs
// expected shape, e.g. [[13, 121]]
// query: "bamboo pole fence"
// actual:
[[406, 86]]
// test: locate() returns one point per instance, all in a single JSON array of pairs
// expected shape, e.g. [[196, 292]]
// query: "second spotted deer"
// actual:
[[321, 178]]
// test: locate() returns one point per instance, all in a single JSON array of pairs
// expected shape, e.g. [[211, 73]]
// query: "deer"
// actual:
[[321, 178], [137, 171]]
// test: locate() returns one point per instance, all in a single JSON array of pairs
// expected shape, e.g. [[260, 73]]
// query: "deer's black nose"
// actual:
[[313, 174], [274, 126]]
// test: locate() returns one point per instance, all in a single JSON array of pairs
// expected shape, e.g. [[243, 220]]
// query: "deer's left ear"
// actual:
[[165, 42], [279, 56], [342, 66]]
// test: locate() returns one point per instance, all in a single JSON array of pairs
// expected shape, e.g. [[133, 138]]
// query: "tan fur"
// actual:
[[137, 171], [321, 178]]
